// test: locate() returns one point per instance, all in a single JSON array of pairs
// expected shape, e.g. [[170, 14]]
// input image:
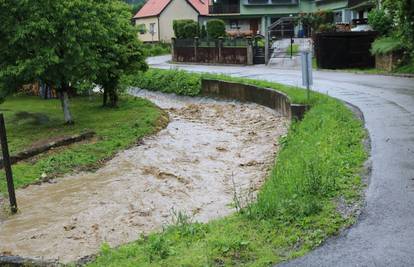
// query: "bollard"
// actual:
[[7, 165]]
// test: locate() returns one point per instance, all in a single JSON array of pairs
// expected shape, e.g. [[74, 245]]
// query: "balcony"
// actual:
[[224, 9], [270, 2]]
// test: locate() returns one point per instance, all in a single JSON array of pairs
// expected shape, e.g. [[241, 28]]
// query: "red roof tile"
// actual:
[[152, 8], [155, 7], [200, 5]]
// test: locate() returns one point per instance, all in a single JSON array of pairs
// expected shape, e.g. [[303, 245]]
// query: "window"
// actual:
[[152, 29], [141, 28], [234, 24]]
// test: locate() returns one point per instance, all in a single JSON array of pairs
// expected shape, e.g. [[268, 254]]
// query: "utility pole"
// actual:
[[7, 165]]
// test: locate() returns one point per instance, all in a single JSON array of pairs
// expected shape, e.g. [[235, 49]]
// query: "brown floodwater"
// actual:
[[209, 150]]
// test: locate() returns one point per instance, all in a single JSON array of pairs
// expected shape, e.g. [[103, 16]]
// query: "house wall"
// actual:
[[177, 9], [275, 10], [302, 6], [147, 36]]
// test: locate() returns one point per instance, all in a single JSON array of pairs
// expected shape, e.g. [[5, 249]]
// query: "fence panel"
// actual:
[[341, 50]]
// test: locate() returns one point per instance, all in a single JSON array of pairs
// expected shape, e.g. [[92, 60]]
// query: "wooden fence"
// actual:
[[221, 51], [341, 50]]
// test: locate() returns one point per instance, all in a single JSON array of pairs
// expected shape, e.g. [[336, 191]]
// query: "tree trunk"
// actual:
[[105, 97], [113, 97], [64, 100]]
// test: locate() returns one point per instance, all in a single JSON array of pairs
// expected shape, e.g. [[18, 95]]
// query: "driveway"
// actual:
[[384, 235]]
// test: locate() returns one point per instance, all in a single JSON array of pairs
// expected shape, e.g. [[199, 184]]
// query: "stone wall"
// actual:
[[249, 93], [387, 62]]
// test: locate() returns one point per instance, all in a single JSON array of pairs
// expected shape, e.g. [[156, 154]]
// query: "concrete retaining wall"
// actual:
[[249, 93]]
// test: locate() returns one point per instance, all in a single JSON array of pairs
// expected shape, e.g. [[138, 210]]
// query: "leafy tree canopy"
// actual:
[[64, 43]]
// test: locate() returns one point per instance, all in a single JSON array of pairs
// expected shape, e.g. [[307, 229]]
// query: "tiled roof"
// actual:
[[152, 8], [200, 5], [155, 7]]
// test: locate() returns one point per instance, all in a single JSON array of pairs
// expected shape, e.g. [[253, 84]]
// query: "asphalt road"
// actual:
[[384, 235]]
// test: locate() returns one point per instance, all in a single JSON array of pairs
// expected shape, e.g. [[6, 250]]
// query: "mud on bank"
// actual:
[[209, 150]]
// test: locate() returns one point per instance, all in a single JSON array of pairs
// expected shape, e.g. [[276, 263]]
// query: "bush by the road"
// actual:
[[169, 81], [216, 28]]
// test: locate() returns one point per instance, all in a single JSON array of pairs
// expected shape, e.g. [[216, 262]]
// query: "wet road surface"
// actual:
[[209, 150], [384, 235]]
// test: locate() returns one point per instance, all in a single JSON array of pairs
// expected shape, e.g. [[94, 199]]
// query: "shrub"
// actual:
[[216, 28], [380, 21], [179, 27], [329, 27], [294, 49], [158, 49], [169, 81], [190, 30], [386, 45]]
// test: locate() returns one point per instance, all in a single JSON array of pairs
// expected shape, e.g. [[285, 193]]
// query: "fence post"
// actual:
[[7, 165], [195, 48], [220, 45], [249, 51], [173, 54]]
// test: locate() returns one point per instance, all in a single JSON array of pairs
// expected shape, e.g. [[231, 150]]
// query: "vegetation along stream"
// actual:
[[210, 152]]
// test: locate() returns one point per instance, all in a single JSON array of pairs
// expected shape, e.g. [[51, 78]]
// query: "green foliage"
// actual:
[[216, 28], [294, 50], [120, 52], [136, 7], [179, 28], [380, 21], [320, 159], [330, 27], [203, 32], [31, 119], [151, 50], [169, 81], [65, 43], [386, 45], [402, 13], [191, 30], [331, 152], [319, 21], [185, 83], [408, 67]]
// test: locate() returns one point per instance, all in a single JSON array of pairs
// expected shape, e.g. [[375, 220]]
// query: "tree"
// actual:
[[380, 21], [52, 41], [401, 13], [65, 44], [216, 28], [120, 51]]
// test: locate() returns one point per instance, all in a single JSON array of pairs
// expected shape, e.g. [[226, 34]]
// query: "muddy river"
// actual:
[[209, 150]]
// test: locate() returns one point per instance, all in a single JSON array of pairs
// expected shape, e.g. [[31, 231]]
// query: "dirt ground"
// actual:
[[210, 150]]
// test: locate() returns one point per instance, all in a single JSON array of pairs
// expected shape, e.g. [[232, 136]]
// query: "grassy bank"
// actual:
[[296, 210], [30, 120]]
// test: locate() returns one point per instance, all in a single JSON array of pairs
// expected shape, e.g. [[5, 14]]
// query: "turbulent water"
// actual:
[[210, 150]]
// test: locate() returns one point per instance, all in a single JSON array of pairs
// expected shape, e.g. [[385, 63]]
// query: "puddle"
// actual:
[[193, 166]]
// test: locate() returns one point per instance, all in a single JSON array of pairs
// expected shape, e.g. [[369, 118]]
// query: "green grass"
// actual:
[[185, 83], [30, 119], [319, 162]]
